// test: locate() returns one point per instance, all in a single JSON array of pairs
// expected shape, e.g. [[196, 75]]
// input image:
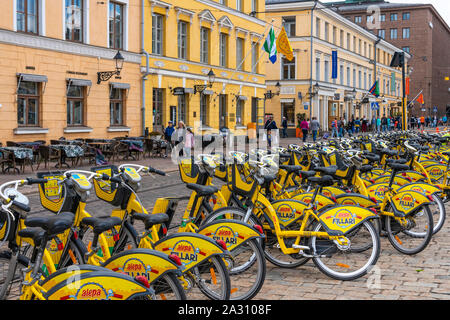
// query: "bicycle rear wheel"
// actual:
[[342, 263], [415, 236], [168, 288]]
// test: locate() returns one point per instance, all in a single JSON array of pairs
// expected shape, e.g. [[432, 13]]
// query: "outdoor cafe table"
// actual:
[[68, 151], [19, 153], [133, 145]]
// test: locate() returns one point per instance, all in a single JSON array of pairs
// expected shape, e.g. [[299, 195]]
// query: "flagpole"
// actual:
[[411, 102]]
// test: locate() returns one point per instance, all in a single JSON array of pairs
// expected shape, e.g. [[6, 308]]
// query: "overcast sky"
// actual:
[[442, 6]]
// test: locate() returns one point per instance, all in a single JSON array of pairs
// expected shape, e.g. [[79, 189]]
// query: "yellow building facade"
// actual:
[[306, 85], [50, 54], [187, 40]]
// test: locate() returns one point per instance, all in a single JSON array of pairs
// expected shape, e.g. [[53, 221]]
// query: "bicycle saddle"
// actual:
[[390, 153], [101, 224], [269, 178], [331, 170], [202, 191], [151, 219], [398, 166], [324, 181], [290, 168], [371, 157], [307, 174], [365, 168], [37, 234], [399, 161], [52, 225]]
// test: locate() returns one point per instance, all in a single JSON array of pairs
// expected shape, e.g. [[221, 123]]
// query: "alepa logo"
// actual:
[[186, 251], [349, 202], [286, 213], [226, 234], [344, 218], [436, 172], [93, 291], [135, 267], [407, 201]]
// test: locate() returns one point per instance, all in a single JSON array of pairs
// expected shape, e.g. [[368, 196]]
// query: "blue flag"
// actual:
[[334, 65]]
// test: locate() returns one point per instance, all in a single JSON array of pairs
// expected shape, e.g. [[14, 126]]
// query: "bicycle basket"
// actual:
[[107, 190], [4, 226], [238, 183], [50, 193], [189, 171]]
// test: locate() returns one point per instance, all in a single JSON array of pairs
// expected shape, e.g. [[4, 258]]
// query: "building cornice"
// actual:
[[233, 12], [69, 47]]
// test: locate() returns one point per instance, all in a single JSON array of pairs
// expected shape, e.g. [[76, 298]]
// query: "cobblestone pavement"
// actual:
[[396, 276]]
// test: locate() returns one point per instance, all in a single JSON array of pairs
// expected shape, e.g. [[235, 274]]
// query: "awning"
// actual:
[[189, 90], [32, 77], [118, 85], [244, 98], [208, 92], [80, 82], [287, 100]]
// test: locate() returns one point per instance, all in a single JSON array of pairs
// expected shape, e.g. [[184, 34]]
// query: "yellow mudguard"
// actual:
[[342, 219], [378, 190], [407, 202], [414, 175], [436, 171], [191, 248], [332, 191], [289, 211], [421, 187], [356, 199], [142, 262], [398, 180], [233, 233], [66, 273], [321, 200], [98, 285]]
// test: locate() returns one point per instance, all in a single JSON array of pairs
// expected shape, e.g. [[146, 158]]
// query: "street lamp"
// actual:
[[315, 90], [106, 75], [201, 87], [269, 94]]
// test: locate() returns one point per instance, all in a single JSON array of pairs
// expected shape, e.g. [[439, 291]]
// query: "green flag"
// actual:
[[270, 46]]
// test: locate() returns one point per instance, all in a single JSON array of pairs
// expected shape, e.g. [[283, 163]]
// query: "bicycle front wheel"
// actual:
[[212, 278], [343, 263], [168, 288]]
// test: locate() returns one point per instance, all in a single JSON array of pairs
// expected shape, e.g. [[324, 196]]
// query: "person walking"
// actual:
[[444, 120], [168, 132], [269, 126], [334, 129], [305, 127], [357, 125], [422, 123], [315, 126], [378, 124], [284, 124], [189, 143]]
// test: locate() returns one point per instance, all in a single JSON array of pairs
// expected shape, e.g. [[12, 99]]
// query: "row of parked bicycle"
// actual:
[[326, 202]]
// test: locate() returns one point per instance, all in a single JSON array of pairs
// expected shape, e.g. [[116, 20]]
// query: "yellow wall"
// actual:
[[52, 56], [171, 73]]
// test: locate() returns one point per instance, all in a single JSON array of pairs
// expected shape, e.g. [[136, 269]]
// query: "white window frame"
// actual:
[[125, 4], [85, 25], [41, 15]]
